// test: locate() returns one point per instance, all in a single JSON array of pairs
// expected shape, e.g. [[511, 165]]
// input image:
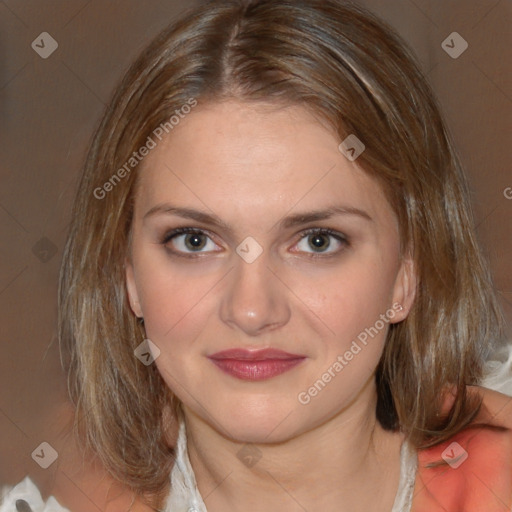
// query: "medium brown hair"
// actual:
[[354, 73]]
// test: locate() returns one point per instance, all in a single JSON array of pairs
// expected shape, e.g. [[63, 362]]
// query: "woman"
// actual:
[[272, 276]]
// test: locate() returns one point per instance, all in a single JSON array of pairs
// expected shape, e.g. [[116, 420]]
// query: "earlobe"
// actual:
[[131, 288], [405, 289]]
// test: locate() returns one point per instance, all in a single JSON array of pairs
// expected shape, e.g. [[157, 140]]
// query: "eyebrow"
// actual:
[[285, 223]]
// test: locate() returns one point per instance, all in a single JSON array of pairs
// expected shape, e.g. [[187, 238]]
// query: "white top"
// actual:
[[25, 497], [185, 496]]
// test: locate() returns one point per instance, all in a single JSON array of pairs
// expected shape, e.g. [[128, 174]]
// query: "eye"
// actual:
[[316, 242], [189, 240], [319, 241]]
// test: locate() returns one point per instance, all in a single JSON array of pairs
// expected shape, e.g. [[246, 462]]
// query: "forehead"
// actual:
[[235, 156]]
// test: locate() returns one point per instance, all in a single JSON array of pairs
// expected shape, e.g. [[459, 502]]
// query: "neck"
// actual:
[[345, 463]]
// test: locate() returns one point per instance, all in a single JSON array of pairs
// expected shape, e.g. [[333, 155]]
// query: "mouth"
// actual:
[[255, 365]]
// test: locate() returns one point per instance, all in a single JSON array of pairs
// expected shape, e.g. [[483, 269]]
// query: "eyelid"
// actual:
[[323, 231], [172, 233]]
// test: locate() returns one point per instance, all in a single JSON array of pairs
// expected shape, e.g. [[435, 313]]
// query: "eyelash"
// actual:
[[340, 237]]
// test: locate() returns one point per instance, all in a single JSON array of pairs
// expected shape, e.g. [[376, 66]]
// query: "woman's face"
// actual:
[[293, 248]]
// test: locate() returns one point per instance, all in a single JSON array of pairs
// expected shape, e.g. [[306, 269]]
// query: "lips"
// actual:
[[255, 365], [254, 355]]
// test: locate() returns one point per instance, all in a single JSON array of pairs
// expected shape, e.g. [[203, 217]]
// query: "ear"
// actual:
[[404, 290], [131, 288]]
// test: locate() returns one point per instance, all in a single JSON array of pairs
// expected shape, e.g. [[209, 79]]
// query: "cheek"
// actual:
[[349, 299], [175, 305], [350, 304]]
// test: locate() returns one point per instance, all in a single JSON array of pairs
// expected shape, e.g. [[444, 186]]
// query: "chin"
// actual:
[[259, 423], [252, 433]]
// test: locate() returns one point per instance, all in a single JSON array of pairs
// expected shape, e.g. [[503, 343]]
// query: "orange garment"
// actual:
[[478, 476]]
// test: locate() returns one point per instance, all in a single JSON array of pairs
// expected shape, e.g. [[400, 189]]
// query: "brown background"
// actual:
[[49, 107]]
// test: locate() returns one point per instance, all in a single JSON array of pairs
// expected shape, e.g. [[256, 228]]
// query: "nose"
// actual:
[[255, 300]]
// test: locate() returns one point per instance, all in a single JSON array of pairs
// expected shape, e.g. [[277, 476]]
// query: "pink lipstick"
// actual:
[[255, 365]]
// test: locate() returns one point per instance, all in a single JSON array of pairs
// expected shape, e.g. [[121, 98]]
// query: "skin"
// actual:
[[252, 165]]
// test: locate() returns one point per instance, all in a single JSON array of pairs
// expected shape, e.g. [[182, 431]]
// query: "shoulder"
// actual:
[[26, 496], [496, 407], [472, 471], [80, 484]]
